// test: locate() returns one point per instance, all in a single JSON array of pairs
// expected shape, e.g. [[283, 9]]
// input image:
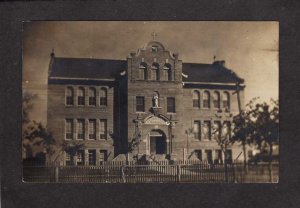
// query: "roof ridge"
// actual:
[[196, 63], [72, 58]]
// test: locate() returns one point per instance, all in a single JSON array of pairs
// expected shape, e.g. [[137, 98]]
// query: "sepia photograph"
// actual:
[[150, 102]]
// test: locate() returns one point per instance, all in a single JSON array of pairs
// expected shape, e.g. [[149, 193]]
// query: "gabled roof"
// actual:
[[215, 73], [86, 68]]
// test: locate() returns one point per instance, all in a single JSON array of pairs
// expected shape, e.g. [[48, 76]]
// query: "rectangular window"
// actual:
[[226, 129], [92, 129], [217, 130], [197, 130], [140, 104], [69, 159], [103, 129], [80, 157], [171, 105], [218, 157], [229, 156], [102, 156], [69, 128], [198, 154], [80, 128], [208, 156], [92, 157], [207, 130]]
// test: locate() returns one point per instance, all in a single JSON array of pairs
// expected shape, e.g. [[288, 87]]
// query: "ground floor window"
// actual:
[[229, 156], [102, 156], [198, 154], [92, 157], [218, 157], [208, 155], [80, 157], [69, 159]]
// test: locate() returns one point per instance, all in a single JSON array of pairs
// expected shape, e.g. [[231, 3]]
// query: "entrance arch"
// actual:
[[157, 142]]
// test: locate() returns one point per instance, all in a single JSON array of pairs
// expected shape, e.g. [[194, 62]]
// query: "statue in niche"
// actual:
[[155, 101]]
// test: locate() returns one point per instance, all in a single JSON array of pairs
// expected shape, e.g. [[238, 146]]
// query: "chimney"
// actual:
[[219, 63]]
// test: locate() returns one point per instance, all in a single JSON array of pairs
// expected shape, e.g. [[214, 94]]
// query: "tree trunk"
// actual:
[[245, 160], [270, 162], [225, 165]]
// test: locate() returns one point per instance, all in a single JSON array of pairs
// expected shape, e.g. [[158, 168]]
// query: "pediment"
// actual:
[[155, 120]]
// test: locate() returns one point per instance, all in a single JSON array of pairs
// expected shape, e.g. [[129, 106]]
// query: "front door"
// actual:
[[157, 145]]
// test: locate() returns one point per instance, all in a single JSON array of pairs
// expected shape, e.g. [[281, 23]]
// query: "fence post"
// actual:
[[123, 174], [178, 173], [234, 178], [56, 174]]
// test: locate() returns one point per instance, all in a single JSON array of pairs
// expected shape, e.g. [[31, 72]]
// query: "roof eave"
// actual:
[[77, 78]]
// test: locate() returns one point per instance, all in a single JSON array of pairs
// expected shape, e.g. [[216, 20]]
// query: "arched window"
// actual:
[[103, 96], [70, 96], [167, 72], [206, 99], [196, 99], [92, 96], [143, 71], [226, 100], [155, 71], [216, 97], [81, 96]]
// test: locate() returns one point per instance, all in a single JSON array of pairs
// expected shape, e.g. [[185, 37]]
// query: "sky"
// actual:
[[249, 48]]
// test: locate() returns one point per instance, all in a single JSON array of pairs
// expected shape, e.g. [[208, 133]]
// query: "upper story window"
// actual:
[[103, 96], [206, 99], [92, 96], [143, 71], [226, 131], [226, 100], [155, 71], [197, 130], [171, 105], [81, 96], [92, 129], [69, 129], [154, 48], [196, 99], [103, 129], [140, 104], [80, 128], [216, 97], [167, 72], [207, 130], [70, 96], [217, 130]]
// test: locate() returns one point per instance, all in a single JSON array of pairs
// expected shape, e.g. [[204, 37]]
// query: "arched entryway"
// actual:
[[157, 142]]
